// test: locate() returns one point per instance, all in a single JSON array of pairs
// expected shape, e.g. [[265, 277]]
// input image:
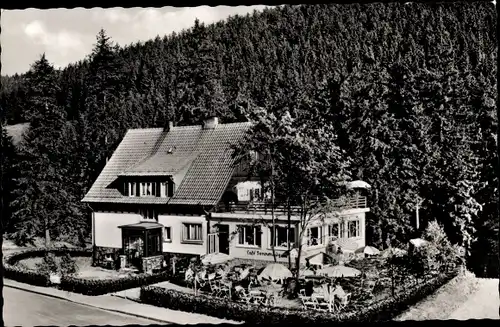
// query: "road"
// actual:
[[23, 308]]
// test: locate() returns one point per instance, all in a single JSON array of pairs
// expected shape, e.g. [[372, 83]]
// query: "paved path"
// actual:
[[22, 308], [483, 304], [123, 306]]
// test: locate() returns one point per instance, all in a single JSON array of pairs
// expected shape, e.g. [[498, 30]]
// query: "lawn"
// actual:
[[84, 266]]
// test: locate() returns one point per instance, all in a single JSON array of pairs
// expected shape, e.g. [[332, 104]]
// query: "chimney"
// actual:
[[170, 125], [211, 122]]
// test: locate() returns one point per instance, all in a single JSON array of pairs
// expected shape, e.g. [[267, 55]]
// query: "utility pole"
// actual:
[[417, 207]]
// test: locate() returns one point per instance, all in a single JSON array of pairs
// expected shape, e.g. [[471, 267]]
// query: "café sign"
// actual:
[[262, 253]]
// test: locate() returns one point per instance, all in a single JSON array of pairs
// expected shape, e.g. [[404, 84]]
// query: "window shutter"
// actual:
[[241, 236], [170, 188]]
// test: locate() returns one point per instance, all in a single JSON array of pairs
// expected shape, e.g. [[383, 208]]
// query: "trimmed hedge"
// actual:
[[73, 284], [32, 277], [384, 310], [104, 286]]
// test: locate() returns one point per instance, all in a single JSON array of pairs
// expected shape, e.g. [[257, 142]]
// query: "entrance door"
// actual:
[[224, 239], [134, 250]]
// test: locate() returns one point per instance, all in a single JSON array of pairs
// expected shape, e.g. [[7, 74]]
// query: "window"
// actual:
[[249, 235], [167, 234], [353, 228], [333, 231], [282, 238], [255, 194], [154, 245], [314, 236], [132, 189], [192, 233], [148, 189], [149, 213]]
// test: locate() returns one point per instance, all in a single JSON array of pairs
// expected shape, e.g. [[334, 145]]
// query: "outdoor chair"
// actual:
[[320, 302], [215, 288], [225, 290], [343, 301], [307, 302], [244, 296]]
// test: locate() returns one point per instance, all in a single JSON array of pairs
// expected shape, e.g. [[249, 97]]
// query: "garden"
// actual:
[[71, 270], [362, 288]]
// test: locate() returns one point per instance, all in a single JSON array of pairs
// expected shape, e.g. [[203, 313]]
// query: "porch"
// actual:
[[142, 246]]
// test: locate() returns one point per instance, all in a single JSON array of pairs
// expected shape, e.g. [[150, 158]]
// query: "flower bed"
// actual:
[[383, 310], [73, 284]]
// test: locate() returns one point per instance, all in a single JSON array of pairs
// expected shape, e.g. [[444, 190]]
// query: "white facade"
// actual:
[[106, 231], [244, 228], [181, 234], [249, 238]]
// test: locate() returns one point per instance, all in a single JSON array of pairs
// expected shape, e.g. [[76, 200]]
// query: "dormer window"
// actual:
[[149, 189]]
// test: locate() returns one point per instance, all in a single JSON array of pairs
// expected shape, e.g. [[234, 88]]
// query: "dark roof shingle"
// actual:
[[157, 151]]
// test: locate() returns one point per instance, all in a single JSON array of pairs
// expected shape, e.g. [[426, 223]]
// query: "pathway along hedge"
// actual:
[[384, 310], [74, 284]]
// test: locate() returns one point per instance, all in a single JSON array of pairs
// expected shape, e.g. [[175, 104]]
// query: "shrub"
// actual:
[[48, 265], [68, 266], [105, 286], [381, 311], [439, 250], [24, 275]]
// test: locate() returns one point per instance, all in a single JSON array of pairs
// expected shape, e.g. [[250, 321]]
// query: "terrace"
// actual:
[[261, 207]]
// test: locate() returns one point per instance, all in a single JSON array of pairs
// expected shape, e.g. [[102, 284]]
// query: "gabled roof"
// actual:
[[160, 164], [207, 152]]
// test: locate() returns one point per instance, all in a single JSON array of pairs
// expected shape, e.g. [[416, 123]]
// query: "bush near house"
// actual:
[[383, 310]]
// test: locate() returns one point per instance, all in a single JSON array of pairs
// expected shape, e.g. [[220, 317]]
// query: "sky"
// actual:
[[68, 35]]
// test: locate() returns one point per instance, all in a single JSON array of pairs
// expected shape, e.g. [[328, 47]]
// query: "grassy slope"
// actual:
[[444, 301]]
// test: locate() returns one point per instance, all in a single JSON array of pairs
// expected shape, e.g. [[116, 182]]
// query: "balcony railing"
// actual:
[[358, 202]]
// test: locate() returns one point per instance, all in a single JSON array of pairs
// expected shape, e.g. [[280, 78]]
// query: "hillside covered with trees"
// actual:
[[410, 91]]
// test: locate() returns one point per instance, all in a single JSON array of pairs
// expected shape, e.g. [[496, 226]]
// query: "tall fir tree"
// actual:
[[39, 203]]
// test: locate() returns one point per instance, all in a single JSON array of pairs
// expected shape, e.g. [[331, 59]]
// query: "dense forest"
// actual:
[[410, 90]]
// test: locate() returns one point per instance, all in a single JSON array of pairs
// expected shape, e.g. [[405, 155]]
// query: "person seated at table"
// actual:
[[189, 275], [309, 288], [219, 271], [339, 291], [254, 280]]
